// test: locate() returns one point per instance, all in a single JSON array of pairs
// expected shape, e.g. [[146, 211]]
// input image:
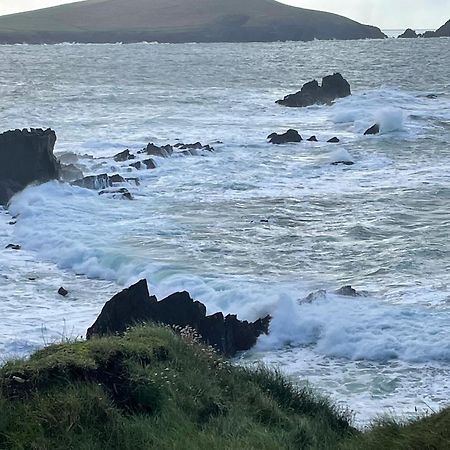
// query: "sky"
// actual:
[[387, 14]]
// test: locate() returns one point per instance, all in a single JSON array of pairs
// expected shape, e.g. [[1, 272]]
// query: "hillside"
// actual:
[[151, 389], [444, 30], [178, 21]]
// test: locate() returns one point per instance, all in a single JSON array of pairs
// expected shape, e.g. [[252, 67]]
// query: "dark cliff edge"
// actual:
[[176, 21], [26, 157]]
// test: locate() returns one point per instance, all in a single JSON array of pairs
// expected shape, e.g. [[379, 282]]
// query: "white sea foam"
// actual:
[[251, 228]]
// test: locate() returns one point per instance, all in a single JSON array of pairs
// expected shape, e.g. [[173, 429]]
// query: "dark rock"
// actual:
[[13, 247], [334, 140], [317, 295], [443, 31], [149, 163], [408, 34], [94, 182], [312, 139], [154, 150], [123, 156], [134, 305], [26, 157], [432, 96], [289, 136], [121, 193], [131, 306], [116, 178], [374, 129], [333, 87], [63, 292], [347, 291], [137, 165], [70, 172], [344, 163]]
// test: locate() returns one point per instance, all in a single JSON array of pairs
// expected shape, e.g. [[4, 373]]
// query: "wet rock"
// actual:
[[63, 292], [123, 156], [347, 291], [134, 305], [408, 34], [116, 178], [149, 163], [26, 156], [332, 88], [289, 136], [374, 129], [317, 295], [94, 182], [312, 139], [344, 163], [13, 247], [431, 96], [154, 150], [334, 140], [117, 193], [70, 172]]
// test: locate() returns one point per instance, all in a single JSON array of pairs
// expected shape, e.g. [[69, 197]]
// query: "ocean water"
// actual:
[[250, 228]]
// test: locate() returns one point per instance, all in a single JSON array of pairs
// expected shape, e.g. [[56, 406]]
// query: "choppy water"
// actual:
[[251, 228]]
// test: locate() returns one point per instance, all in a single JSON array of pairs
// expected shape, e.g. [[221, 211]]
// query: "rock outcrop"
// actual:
[[408, 34], [284, 138], [374, 129], [333, 87], [443, 31], [134, 305], [26, 156]]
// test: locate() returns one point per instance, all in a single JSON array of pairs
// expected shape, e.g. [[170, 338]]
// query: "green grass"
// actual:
[[152, 389]]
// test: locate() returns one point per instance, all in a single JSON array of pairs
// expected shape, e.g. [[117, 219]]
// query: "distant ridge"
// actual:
[[107, 21]]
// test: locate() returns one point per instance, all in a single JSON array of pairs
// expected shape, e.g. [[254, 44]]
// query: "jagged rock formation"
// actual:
[[333, 87], [26, 156], [135, 305], [179, 21]]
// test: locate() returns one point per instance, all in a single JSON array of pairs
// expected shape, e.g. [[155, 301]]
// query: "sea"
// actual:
[[250, 228]]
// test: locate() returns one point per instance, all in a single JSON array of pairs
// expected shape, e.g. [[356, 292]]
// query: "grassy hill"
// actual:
[[152, 389], [178, 21]]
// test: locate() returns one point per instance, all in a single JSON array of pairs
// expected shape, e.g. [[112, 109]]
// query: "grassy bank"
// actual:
[[154, 390]]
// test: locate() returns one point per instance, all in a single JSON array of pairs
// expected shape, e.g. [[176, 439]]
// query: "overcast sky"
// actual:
[[383, 13]]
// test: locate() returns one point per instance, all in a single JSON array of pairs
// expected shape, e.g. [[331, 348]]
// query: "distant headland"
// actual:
[[173, 21], [443, 31]]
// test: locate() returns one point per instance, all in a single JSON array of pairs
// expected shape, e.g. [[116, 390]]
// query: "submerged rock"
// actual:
[[13, 247], [117, 193], [289, 136], [343, 162], [26, 156], [134, 305], [374, 129], [333, 87]]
